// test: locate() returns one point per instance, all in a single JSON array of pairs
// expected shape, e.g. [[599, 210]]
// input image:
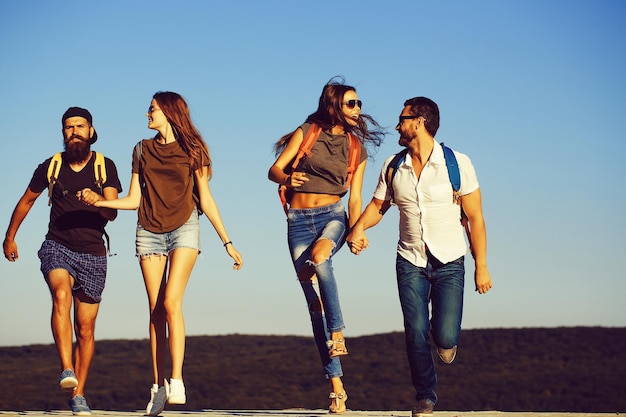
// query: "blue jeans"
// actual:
[[441, 285], [305, 228]]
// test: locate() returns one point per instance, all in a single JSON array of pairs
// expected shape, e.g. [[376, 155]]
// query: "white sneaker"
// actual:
[[175, 391], [158, 396]]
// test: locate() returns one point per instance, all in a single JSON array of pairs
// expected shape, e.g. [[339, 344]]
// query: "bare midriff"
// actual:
[[308, 200]]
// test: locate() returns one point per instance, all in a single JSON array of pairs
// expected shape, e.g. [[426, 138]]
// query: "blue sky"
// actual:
[[533, 91]]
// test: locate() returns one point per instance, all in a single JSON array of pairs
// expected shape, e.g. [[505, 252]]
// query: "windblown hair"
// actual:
[[428, 109], [177, 114], [329, 113]]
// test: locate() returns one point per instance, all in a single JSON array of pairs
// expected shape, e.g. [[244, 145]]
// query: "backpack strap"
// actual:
[[138, 149], [353, 158], [100, 171], [453, 172], [99, 168], [53, 173], [390, 173], [392, 168], [307, 144], [455, 180], [305, 149]]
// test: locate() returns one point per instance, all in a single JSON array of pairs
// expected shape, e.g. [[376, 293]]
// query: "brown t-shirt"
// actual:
[[327, 167], [167, 184]]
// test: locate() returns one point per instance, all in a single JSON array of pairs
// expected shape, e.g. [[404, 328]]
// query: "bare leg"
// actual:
[[60, 283], [153, 271], [338, 396], [321, 250], [182, 261], [85, 313]]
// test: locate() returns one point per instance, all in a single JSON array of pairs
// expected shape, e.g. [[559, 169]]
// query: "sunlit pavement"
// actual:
[[303, 413]]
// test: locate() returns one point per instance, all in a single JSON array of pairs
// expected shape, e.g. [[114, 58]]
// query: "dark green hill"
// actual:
[[579, 369]]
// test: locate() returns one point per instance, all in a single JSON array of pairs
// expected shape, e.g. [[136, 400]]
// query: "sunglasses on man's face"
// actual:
[[403, 118], [352, 103]]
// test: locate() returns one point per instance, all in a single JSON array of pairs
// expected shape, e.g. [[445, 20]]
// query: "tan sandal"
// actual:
[[337, 348], [338, 402]]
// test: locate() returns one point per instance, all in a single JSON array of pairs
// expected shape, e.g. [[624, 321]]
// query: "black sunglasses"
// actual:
[[403, 118], [351, 103]]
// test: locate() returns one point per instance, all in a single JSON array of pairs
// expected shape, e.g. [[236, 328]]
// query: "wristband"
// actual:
[[230, 242]]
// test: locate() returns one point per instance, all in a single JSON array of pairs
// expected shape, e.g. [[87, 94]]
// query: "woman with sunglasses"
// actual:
[[170, 186], [317, 220]]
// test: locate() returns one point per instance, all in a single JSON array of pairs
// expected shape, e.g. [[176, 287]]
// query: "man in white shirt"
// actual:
[[431, 249]]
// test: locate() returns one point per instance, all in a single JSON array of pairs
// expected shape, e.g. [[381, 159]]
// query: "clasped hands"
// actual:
[[88, 196], [357, 241]]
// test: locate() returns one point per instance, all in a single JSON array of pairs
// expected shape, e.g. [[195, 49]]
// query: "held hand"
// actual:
[[88, 196], [232, 252], [296, 179], [10, 250], [357, 241], [358, 245]]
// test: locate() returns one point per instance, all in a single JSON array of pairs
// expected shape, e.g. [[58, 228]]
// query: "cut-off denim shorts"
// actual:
[[186, 236]]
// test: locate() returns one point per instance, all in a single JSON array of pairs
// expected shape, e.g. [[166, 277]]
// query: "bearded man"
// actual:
[[73, 255]]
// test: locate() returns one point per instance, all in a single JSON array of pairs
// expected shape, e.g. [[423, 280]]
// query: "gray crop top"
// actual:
[[327, 167]]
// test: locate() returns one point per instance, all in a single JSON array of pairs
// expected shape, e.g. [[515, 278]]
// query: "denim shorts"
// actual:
[[89, 271], [186, 236]]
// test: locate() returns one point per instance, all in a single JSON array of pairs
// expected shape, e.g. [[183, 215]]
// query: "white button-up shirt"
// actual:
[[429, 218]]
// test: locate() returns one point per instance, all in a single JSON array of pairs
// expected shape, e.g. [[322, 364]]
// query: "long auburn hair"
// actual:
[[329, 113], [176, 112]]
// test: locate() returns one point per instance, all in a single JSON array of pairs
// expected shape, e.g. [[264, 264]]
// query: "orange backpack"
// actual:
[[285, 193]]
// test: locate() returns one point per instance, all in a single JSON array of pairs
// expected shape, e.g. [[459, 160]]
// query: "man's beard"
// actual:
[[404, 141], [77, 151]]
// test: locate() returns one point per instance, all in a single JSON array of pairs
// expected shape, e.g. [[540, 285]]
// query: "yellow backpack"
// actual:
[[99, 172], [99, 168]]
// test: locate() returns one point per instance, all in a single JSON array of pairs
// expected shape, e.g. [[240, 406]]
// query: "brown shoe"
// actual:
[[447, 355], [423, 408]]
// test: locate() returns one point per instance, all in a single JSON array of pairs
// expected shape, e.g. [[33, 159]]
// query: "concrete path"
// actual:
[[301, 413]]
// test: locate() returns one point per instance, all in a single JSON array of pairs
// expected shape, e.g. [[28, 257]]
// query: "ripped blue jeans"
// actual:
[[305, 228]]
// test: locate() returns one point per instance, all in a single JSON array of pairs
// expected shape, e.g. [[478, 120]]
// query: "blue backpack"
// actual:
[[453, 174], [453, 170]]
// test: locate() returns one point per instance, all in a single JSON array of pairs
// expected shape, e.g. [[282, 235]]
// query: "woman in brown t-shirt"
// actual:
[[170, 187], [317, 220]]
